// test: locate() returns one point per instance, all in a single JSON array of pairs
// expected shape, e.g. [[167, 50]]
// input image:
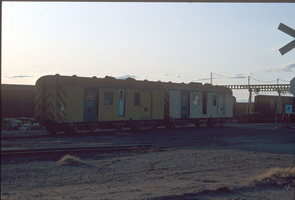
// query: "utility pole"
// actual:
[[211, 78], [249, 105], [279, 103]]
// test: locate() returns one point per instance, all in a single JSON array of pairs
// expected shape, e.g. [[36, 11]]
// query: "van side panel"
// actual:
[[75, 104], [175, 104], [158, 104], [108, 104], [228, 105]]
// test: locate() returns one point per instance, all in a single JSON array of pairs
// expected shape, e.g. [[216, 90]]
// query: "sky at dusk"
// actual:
[[178, 42]]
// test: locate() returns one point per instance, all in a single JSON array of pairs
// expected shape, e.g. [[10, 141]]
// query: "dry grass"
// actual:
[[70, 160], [283, 177], [278, 173]]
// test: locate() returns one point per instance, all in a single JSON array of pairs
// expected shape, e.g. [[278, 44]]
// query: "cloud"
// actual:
[[172, 75], [238, 76], [206, 79], [124, 77], [283, 68], [202, 79], [18, 77], [287, 68]]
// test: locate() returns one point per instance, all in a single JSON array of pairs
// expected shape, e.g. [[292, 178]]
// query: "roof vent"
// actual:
[[130, 79], [195, 83], [110, 77]]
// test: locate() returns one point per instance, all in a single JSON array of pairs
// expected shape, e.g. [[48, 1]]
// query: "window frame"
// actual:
[[136, 99], [108, 98]]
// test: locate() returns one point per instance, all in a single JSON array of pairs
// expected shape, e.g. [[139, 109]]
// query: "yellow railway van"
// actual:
[[71, 103]]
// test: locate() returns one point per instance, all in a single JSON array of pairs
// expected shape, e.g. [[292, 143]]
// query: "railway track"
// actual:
[[57, 151], [97, 150]]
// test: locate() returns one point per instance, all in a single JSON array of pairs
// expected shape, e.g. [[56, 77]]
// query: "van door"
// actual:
[[220, 105], [146, 99], [184, 104], [195, 102], [90, 106], [204, 103], [121, 107]]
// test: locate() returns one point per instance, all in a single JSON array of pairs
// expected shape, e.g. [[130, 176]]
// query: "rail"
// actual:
[[107, 149]]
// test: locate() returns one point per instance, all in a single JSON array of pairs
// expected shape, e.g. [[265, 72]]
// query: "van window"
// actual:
[[196, 100], [136, 98], [108, 98], [214, 100], [121, 94]]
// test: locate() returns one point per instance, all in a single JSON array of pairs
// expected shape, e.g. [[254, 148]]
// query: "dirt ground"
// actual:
[[238, 161]]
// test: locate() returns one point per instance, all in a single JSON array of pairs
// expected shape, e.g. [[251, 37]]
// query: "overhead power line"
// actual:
[[240, 76], [263, 81]]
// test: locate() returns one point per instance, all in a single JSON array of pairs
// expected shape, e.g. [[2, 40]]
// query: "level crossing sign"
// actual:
[[291, 32]]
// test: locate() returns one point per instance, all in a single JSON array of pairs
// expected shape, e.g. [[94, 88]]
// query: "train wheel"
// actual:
[[210, 123], [170, 125], [197, 123], [52, 131], [51, 126], [69, 130], [134, 128], [119, 127]]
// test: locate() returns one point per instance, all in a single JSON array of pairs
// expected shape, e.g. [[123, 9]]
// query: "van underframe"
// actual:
[[76, 127]]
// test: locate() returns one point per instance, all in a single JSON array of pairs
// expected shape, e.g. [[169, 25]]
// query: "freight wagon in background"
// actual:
[[266, 104], [265, 109], [17, 101], [71, 103], [17, 106], [273, 108]]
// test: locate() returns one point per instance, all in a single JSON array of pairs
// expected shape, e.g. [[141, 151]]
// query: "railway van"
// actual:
[[197, 104], [71, 103]]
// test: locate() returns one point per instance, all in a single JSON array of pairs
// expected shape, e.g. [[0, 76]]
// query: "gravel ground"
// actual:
[[234, 162]]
